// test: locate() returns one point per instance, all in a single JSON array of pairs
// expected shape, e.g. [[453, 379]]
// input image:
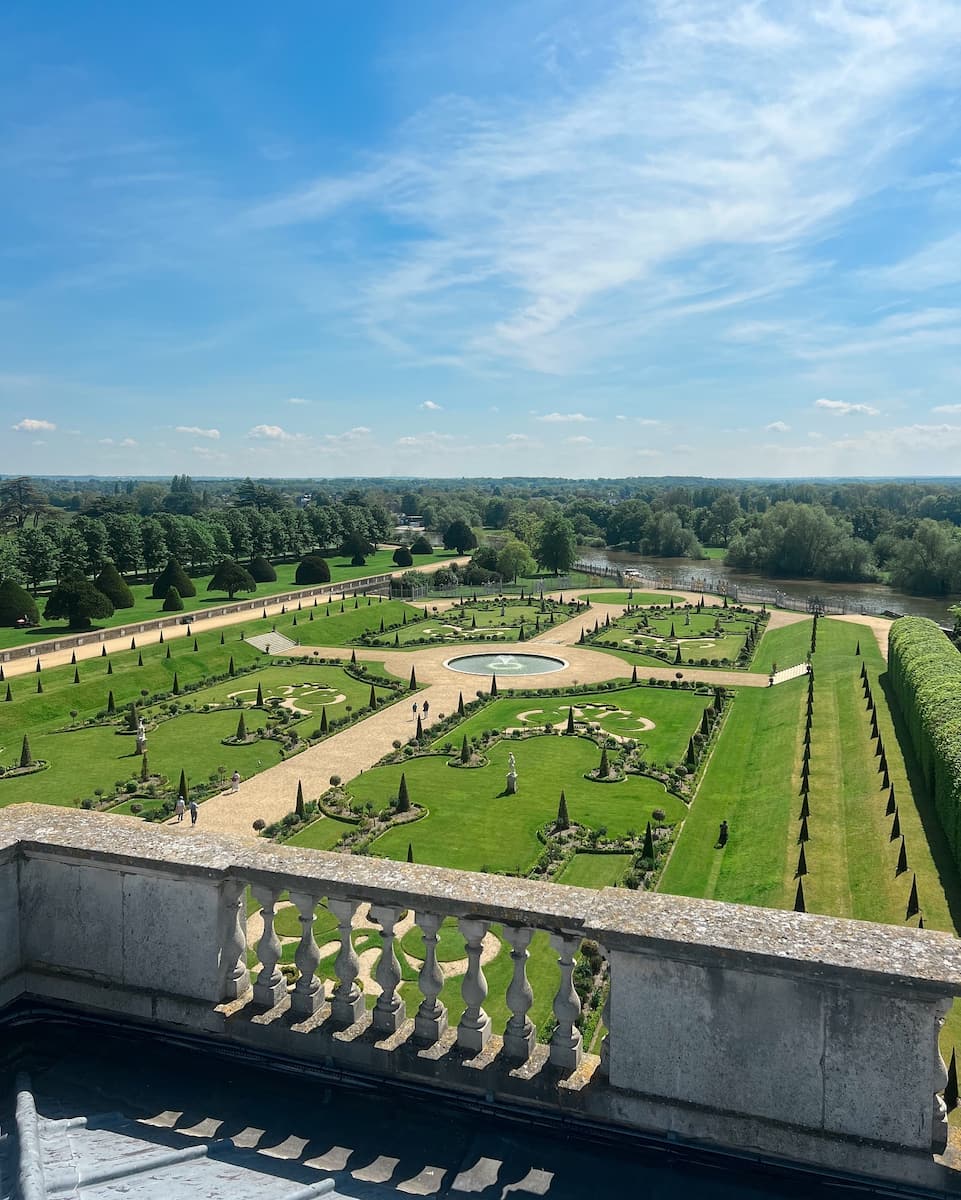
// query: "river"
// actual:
[[872, 597]]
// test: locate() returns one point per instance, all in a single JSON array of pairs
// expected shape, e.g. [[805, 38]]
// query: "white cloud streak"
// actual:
[[34, 425], [841, 408], [196, 431]]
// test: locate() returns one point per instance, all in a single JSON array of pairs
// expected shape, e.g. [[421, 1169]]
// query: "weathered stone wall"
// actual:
[[795, 1036]]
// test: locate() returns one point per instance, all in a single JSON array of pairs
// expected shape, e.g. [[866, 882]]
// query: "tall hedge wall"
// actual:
[[925, 671]]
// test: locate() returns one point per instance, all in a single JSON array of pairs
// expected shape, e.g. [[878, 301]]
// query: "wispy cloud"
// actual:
[[841, 408], [196, 431], [272, 433], [34, 425], [559, 418], [579, 441], [430, 406], [297, 400], [777, 427], [947, 408]]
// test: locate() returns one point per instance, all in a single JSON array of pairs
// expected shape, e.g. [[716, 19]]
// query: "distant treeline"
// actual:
[[908, 534]]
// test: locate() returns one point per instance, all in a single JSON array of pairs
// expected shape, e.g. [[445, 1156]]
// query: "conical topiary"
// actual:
[[805, 809], [902, 859], [570, 719], [76, 674], [420, 728], [493, 685], [26, 758], [259, 702], [913, 906], [804, 836], [895, 827], [460, 704], [604, 768], [73, 659], [140, 660], [413, 679], [410, 852], [300, 808], [323, 719], [241, 734], [951, 1087], [634, 673], [9, 696], [403, 796], [167, 654], [647, 852], [231, 669], [799, 905], [182, 786], [39, 687], [464, 750], [175, 686], [372, 699], [802, 864], [144, 769], [892, 805], [133, 721], [111, 704], [563, 820]]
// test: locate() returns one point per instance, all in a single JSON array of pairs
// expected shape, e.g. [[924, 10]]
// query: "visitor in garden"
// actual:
[[235, 782], [181, 808], [722, 835], [426, 707], [193, 812], [414, 711]]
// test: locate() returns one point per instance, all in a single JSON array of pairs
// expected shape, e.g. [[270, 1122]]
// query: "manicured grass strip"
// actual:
[[322, 834], [595, 870], [627, 597]]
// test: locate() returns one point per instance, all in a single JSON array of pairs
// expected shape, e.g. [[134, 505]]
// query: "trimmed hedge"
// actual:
[[925, 672]]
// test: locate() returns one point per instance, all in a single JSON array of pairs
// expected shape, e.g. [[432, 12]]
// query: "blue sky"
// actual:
[[677, 237]]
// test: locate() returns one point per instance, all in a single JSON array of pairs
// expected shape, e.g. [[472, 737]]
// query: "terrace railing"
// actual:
[[788, 1035]]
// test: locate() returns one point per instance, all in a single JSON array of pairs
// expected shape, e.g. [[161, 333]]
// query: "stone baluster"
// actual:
[[520, 1034], [308, 994], [474, 1030], [347, 1005], [389, 1013], [271, 987], [566, 1043], [430, 1023], [939, 1126], [233, 961]]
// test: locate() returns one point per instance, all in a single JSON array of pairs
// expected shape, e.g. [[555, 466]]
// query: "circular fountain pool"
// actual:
[[505, 664]]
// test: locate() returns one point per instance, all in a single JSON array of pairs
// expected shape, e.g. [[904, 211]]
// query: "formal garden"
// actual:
[[682, 634]]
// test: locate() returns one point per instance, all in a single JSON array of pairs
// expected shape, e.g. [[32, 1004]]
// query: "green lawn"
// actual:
[[84, 759], [625, 713], [472, 825], [146, 608], [631, 596], [715, 636], [322, 834], [481, 621], [595, 870]]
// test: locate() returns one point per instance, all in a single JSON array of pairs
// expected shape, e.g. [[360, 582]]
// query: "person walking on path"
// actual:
[[193, 812], [235, 782], [181, 808], [426, 707], [414, 711]]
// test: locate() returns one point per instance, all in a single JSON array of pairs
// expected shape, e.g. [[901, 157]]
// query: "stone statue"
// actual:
[[141, 737], [511, 763], [511, 775]]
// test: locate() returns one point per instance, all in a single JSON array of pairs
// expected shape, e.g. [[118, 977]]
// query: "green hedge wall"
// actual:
[[925, 671]]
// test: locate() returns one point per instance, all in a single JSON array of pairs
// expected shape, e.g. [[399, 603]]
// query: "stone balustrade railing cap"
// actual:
[[681, 927]]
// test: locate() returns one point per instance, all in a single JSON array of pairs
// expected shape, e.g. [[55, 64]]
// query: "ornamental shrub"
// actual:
[[112, 584], [16, 603], [261, 571], [402, 557], [172, 601], [173, 575], [312, 569]]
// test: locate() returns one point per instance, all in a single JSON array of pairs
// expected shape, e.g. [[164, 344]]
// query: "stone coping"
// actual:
[[701, 931]]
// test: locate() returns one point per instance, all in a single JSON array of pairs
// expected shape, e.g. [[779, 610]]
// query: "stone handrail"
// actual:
[[800, 1037]]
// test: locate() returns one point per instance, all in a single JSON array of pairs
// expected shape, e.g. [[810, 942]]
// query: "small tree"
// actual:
[[312, 569], [78, 602], [402, 557], [571, 728], [241, 734], [112, 584], [420, 545], [403, 796], [563, 820], [26, 758], [261, 570], [231, 577], [604, 769], [300, 806], [172, 601], [464, 751]]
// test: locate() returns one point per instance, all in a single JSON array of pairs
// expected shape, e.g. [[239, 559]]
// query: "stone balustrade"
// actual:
[[792, 1036]]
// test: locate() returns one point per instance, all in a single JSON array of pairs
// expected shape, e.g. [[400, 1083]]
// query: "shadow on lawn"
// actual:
[[940, 851]]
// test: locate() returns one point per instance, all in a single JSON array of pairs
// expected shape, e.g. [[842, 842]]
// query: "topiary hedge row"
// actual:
[[925, 671]]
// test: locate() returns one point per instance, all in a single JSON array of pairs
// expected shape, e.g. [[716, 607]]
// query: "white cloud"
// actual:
[[430, 406], [426, 441], [349, 435], [126, 443], [579, 441], [196, 431], [518, 437], [777, 427], [947, 408], [557, 418], [297, 400], [272, 433], [841, 408], [34, 425]]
